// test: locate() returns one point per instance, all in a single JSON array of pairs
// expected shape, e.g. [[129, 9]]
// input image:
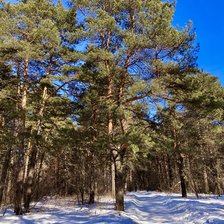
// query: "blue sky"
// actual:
[[208, 19]]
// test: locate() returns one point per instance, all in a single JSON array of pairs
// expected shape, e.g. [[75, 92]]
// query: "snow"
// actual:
[[141, 207]]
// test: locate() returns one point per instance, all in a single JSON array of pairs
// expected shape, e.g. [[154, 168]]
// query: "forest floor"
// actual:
[[141, 207]]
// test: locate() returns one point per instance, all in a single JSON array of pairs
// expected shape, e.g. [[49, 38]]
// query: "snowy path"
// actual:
[[154, 207], [141, 207]]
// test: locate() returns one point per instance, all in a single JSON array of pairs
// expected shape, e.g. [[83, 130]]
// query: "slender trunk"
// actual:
[[29, 180], [110, 133], [192, 181], [8, 194], [31, 156], [205, 176], [130, 181], [92, 197], [18, 190], [113, 179], [18, 185], [170, 172], [180, 157], [159, 172], [4, 173], [39, 170], [92, 179], [218, 189], [182, 176], [82, 196]]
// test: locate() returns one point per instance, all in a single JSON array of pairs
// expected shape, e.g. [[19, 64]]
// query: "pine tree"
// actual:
[[37, 32], [128, 44]]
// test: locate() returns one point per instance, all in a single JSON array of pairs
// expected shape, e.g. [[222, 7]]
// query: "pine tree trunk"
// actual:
[[205, 176], [31, 154], [4, 173], [92, 197], [130, 181], [182, 176], [180, 158], [170, 172], [218, 189], [119, 185], [18, 191], [29, 180], [92, 179], [192, 181], [18, 185], [39, 171], [113, 180], [159, 173], [119, 206]]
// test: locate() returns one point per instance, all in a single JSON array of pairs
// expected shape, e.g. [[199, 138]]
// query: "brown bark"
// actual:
[[4, 173], [205, 176], [29, 182], [91, 197], [192, 181], [180, 156], [119, 156], [182, 176], [120, 177], [18, 185], [31, 156], [218, 189], [113, 179], [170, 171]]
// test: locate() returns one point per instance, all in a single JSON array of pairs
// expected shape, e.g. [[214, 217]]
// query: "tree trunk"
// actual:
[[92, 197], [113, 180], [182, 176], [170, 172], [180, 158], [18, 191], [218, 189], [192, 182], [39, 170], [4, 173], [205, 175], [31, 155], [130, 181], [119, 206], [18, 185], [119, 185], [29, 180]]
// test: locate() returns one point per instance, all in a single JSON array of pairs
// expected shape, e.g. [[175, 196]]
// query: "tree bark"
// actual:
[[205, 176], [112, 179], [31, 155], [18, 185], [218, 189], [4, 173], [180, 157], [120, 178], [192, 181], [182, 176], [29, 180], [170, 171]]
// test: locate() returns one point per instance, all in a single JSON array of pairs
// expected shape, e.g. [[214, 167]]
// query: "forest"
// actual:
[[104, 97]]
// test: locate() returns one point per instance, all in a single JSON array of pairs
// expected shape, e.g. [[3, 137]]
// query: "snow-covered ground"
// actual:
[[141, 207]]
